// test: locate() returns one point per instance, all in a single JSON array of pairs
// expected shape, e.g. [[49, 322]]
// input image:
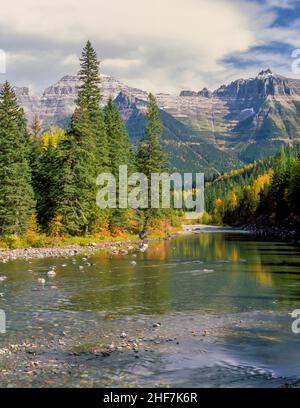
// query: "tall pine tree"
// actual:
[[120, 148], [151, 158], [16, 193], [120, 154], [83, 154], [45, 175], [89, 98]]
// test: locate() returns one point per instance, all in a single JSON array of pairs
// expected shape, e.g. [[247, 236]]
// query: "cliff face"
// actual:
[[204, 92], [248, 118], [58, 101], [29, 102], [264, 85]]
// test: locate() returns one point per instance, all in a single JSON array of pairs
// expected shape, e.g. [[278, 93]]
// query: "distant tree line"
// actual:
[[268, 191]]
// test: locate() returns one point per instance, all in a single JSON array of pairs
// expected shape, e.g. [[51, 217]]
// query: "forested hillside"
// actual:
[[265, 193]]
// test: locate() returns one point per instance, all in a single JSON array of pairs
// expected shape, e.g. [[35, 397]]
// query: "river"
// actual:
[[200, 310]]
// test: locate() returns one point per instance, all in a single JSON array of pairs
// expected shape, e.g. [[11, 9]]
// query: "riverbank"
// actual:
[[281, 232], [113, 247], [122, 247], [125, 246], [203, 228]]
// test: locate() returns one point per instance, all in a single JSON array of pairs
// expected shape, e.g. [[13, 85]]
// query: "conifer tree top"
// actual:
[[154, 126], [8, 99], [89, 94]]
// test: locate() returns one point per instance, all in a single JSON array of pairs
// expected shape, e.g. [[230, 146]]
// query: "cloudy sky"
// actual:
[[156, 45]]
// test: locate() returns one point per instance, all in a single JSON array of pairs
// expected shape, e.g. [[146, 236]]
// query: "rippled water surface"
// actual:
[[240, 289]]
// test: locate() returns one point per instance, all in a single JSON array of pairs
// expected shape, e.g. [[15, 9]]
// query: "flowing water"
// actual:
[[223, 301]]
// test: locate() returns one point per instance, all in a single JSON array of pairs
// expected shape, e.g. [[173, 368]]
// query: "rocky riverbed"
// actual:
[[282, 233], [73, 359], [91, 359]]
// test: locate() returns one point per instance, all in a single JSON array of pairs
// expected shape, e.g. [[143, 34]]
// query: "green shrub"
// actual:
[[13, 241]]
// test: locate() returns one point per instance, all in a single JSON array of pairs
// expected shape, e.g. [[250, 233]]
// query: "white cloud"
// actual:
[[120, 63], [288, 35], [70, 60], [164, 45], [21, 57]]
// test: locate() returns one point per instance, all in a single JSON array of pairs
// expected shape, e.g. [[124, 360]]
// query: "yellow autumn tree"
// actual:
[[261, 182], [219, 203], [56, 225], [233, 201], [52, 138], [218, 212]]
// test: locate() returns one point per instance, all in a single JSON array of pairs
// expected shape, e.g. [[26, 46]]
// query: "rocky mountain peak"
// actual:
[[271, 84], [187, 93], [125, 100], [205, 92], [265, 84], [67, 85], [128, 103], [21, 91], [264, 73]]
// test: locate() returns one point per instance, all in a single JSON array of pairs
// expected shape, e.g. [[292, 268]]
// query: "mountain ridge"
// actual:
[[246, 119]]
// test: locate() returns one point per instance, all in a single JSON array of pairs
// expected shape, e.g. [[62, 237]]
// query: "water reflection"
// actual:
[[213, 273]]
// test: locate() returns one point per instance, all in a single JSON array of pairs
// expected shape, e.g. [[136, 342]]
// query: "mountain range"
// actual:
[[210, 131]]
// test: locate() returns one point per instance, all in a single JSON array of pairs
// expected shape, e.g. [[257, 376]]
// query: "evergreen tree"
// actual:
[[76, 184], [120, 154], [293, 195], [89, 98], [16, 193], [89, 94], [83, 154], [279, 185], [151, 158], [46, 174], [120, 149]]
